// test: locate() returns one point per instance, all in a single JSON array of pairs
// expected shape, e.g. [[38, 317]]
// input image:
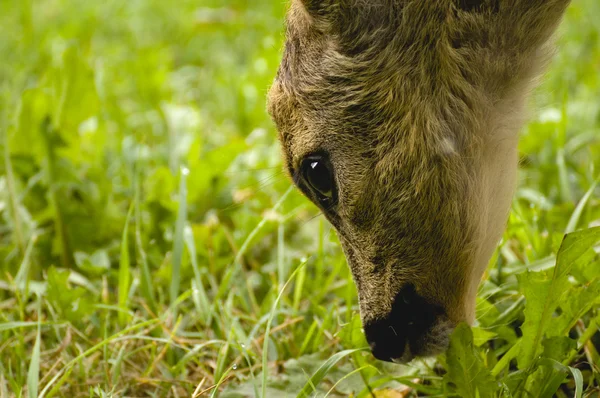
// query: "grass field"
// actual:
[[150, 244]]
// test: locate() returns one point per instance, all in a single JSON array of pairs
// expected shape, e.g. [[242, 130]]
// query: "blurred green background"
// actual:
[[147, 228]]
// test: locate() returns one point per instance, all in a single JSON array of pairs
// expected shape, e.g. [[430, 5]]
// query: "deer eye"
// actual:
[[317, 172]]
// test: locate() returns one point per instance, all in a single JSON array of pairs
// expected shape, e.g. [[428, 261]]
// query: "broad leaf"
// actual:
[[544, 291], [576, 250], [547, 379], [78, 99], [352, 334], [34, 107], [73, 303], [467, 374], [574, 306], [543, 295], [558, 348]]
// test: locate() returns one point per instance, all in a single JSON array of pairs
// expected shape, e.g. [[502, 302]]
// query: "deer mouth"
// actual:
[[413, 328], [401, 348]]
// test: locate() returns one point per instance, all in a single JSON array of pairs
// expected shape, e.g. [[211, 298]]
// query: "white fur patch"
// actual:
[[448, 146]]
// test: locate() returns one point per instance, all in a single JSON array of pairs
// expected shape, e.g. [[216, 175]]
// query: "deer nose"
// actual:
[[400, 335]]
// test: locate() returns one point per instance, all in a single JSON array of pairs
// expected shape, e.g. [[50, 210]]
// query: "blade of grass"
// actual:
[[116, 366], [124, 270], [215, 388], [11, 186], [147, 288], [234, 269], [194, 353], [565, 189], [506, 359], [265, 370], [201, 302], [308, 338], [574, 220], [591, 330], [48, 132], [511, 313], [298, 288], [15, 325], [178, 238], [346, 376], [23, 273], [222, 357], [188, 237], [563, 174], [242, 348], [33, 373], [578, 379], [64, 372], [199, 294], [320, 374], [280, 254], [320, 271]]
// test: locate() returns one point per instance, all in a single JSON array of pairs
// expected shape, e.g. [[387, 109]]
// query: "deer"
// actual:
[[399, 119]]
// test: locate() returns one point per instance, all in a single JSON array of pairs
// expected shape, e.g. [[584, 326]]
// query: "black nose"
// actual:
[[408, 324]]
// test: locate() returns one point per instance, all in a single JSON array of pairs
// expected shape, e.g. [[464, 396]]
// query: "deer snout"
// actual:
[[414, 327]]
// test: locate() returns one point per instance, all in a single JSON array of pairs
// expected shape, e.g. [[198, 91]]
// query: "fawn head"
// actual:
[[399, 119]]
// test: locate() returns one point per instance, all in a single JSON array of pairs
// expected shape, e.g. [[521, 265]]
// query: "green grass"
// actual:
[[150, 244]]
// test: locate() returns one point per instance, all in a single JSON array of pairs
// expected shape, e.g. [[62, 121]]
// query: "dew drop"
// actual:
[[234, 367], [185, 171]]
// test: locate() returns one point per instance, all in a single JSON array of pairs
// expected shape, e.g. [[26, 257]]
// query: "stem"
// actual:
[[12, 194], [583, 339], [59, 224]]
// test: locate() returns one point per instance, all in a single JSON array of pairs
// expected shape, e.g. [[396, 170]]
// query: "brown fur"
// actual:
[[418, 104]]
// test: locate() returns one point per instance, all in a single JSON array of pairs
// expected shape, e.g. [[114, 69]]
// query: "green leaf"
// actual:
[[574, 306], [514, 381], [482, 336], [543, 295], [576, 250], [74, 304], [544, 291], [467, 374], [558, 348], [352, 334], [96, 264], [78, 99], [15, 325], [34, 108], [547, 378], [213, 165]]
